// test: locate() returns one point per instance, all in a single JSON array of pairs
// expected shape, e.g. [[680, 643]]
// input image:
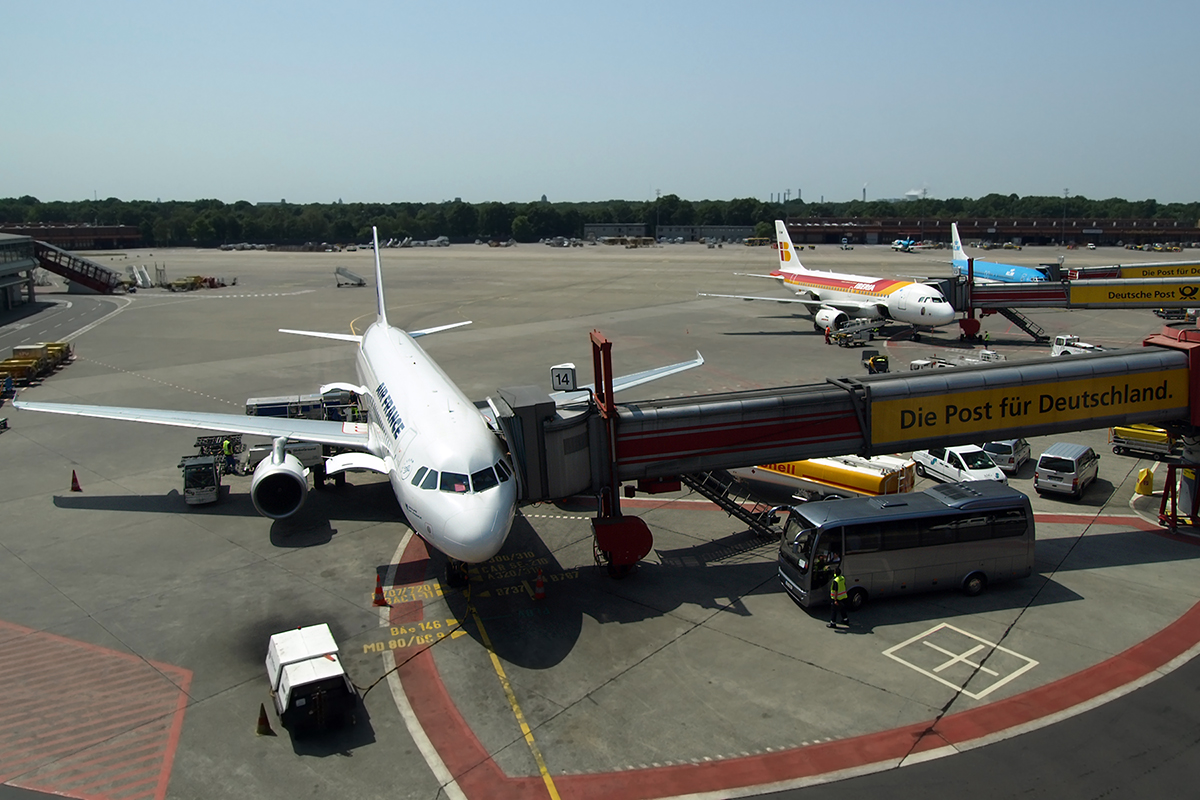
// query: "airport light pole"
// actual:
[[1063, 234]]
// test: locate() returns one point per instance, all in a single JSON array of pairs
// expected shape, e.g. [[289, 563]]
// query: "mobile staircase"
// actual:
[[1024, 323], [75, 268], [732, 495]]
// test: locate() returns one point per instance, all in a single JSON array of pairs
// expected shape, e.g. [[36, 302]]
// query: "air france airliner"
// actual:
[[449, 471], [835, 297], [988, 271]]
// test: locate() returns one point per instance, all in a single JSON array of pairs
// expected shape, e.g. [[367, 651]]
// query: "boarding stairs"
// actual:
[[1023, 322], [82, 271], [732, 495]]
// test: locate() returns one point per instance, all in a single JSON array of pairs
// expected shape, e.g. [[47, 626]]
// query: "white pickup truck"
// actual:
[[1068, 345]]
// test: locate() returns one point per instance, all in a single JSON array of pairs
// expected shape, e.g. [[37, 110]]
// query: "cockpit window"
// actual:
[[431, 480], [416, 481], [503, 471], [483, 480], [454, 482]]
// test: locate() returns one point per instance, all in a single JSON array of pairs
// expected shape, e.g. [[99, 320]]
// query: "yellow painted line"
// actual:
[[512, 701]]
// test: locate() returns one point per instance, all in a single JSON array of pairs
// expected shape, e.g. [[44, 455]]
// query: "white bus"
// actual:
[[952, 536]]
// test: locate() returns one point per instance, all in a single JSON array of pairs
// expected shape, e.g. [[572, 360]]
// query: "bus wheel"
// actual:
[[975, 583], [856, 598]]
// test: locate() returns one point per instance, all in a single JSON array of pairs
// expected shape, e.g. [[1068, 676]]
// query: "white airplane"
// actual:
[[449, 471], [835, 297]]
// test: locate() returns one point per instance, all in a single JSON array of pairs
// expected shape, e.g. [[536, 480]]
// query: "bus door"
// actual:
[[826, 554]]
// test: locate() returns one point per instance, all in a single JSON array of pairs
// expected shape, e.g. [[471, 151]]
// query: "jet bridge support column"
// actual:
[[1180, 506], [619, 541]]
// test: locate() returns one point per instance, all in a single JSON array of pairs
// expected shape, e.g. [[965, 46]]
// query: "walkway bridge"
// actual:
[[1164, 285], [78, 269], [593, 449]]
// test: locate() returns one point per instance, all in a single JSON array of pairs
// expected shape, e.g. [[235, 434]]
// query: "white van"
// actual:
[[965, 462], [1066, 468]]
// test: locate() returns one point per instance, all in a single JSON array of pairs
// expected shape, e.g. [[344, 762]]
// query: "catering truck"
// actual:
[[310, 689]]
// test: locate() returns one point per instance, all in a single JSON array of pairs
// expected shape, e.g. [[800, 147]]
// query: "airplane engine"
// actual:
[[830, 318], [279, 486]]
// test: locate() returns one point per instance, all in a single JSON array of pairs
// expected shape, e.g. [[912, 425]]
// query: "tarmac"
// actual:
[[135, 627]]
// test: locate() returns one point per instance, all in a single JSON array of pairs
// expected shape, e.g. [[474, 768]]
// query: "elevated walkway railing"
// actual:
[[75, 268]]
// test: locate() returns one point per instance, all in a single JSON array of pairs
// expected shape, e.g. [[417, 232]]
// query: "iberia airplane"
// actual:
[[450, 473], [835, 297]]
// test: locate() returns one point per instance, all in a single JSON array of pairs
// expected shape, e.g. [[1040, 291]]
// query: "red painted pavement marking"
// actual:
[[86, 721], [480, 777]]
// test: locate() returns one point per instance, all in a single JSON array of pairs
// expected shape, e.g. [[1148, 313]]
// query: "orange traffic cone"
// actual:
[[379, 599], [264, 724], [539, 587], [75, 487]]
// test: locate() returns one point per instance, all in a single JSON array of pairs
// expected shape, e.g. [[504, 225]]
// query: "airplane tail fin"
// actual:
[[958, 256], [788, 260], [382, 310]]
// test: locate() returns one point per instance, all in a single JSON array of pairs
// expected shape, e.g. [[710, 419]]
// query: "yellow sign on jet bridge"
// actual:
[[1184, 269], [1097, 293], [981, 411]]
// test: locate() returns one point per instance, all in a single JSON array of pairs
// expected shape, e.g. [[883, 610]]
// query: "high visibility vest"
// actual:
[[837, 589], [227, 447]]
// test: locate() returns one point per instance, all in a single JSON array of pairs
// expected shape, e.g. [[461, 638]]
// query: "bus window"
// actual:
[[1010, 522], [974, 529], [941, 532], [863, 538], [902, 534]]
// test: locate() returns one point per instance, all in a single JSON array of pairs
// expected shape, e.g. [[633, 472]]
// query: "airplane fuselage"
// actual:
[[440, 456], [903, 301]]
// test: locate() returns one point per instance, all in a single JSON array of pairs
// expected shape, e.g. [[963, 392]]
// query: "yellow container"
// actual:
[[1145, 482]]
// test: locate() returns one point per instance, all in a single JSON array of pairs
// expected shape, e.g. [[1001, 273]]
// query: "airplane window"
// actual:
[[431, 480], [483, 480], [454, 482], [503, 471], [416, 481]]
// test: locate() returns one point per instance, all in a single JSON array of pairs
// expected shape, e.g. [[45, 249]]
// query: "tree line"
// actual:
[[209, 223]]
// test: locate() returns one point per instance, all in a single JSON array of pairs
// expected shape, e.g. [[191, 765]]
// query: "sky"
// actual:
[[425, 102]]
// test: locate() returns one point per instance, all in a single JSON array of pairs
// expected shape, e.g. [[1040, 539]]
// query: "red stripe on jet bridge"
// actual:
[[731, 437]]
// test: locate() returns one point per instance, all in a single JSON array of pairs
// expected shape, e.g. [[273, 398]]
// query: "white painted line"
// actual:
[[1029, 664], [421, 739]]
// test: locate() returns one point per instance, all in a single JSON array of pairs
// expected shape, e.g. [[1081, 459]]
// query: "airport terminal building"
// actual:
[[17, 264]]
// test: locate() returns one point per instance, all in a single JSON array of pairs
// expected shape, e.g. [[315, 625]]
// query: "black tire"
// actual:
[[856, 598], [339, 480], [975, 583], [921, 471]]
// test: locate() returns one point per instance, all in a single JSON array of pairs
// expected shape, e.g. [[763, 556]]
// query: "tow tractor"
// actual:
[[201, 479]]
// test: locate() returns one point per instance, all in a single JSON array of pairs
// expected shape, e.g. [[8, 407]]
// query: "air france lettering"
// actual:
[[394, 421]]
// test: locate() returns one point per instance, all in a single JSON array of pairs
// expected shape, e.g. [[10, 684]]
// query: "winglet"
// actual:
[[382, 310], [958, 256], [788, 260]]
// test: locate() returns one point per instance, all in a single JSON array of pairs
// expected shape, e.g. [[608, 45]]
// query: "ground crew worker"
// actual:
[[227, 449], [986, 338], [828, 331], [837, 599]]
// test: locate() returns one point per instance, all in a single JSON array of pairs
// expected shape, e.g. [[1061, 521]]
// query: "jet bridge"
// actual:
[[597, 447]]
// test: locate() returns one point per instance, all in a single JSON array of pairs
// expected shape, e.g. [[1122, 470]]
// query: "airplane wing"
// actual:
[[342, 434], [844, 305], [627, 381]]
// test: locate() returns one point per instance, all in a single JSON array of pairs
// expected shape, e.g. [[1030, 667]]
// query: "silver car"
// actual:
[[1009, 454]]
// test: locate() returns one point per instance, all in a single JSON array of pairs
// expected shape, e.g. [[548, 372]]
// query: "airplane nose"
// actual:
[[477, 534]]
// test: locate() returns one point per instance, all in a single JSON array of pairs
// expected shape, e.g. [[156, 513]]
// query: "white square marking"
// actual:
[[946, 653]]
